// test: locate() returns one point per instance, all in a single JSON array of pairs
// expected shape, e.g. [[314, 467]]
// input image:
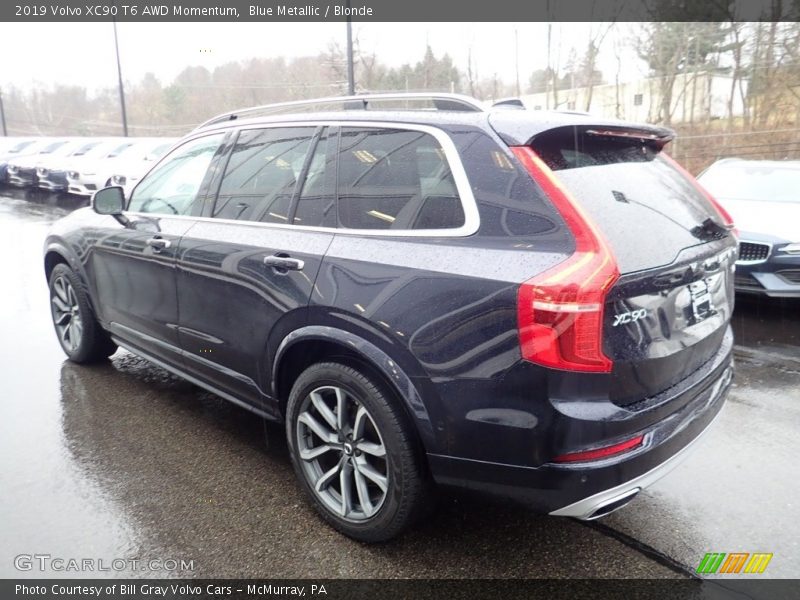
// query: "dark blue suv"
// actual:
[[426, 292]]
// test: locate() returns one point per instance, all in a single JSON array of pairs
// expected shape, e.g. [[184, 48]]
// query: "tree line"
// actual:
[[762, 61]]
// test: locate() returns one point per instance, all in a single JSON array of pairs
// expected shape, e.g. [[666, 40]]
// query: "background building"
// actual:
[[693, 98]]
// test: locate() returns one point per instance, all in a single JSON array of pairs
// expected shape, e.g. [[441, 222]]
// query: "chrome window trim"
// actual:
[[755, 262], [463, 187]]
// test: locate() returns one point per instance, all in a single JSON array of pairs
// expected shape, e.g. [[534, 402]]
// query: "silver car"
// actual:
[[52, 175], [86, 178], [763, 197], [130, 170]]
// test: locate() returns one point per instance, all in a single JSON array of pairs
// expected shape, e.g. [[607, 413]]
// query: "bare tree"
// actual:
[[589, 65], [618, 112], [472, 75], [553, 65]]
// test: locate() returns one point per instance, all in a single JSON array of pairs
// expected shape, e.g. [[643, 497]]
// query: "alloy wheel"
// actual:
[[342, 453], [66, 314]]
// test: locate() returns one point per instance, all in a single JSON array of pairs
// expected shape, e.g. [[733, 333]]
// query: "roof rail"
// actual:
[[454, 102]]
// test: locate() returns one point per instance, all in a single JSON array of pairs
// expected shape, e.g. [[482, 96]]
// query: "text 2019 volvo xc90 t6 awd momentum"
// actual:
[[530, 304]]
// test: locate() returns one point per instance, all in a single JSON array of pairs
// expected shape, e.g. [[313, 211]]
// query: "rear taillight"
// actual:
[[604, 452], [726, 217], [560, 312]]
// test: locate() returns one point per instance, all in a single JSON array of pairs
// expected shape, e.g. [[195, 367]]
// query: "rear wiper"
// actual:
[[709, 230]]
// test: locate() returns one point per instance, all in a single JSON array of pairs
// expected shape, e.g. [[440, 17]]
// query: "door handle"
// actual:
[[158, 244], [286, 263]]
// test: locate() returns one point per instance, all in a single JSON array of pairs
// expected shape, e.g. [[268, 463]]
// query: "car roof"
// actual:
[[515, 126]]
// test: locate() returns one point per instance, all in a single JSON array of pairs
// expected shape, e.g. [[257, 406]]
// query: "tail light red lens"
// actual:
[[598, 453], [560, 312], [727, 219]]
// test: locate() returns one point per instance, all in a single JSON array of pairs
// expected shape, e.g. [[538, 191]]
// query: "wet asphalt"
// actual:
[[124, 460]]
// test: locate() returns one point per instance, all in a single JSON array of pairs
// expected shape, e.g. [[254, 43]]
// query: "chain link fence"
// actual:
[[696, 151]]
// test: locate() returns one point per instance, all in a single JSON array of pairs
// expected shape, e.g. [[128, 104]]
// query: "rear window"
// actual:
[[85, 148], [744, 181], [574, 149], [644, 206], [52, 147], [158, 151], [119, 150], [20, 147]]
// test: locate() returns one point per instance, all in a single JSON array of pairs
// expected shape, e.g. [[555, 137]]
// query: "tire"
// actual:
[[77, 329], [384, 495]]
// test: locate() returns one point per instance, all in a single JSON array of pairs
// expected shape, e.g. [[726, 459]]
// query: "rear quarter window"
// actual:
[[509, 201]]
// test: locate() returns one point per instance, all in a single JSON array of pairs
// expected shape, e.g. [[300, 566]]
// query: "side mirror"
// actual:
[[110, 201]]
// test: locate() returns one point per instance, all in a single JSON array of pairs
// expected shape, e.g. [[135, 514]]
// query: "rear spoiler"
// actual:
[[655, 137], [521, 128], [660, 137]]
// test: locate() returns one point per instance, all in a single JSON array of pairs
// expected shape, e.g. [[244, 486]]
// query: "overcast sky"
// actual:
[[83, 53]]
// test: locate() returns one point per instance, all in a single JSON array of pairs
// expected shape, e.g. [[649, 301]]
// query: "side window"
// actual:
[[262, 173], [316, 204], [395, 179], [172, 186]]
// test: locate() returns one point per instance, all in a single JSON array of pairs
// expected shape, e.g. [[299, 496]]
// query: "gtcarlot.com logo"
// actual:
[[734, 562], [47, 562]]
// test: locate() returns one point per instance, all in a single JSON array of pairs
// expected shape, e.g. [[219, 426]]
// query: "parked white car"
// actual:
[[85, 178], [16, 148], [12, 145], [52, 174], [21, 171], [131, 170]]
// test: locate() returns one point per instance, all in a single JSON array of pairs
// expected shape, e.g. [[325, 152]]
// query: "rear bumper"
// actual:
[[605, 502], [591, 489]]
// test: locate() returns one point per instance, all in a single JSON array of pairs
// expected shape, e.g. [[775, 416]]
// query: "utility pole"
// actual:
[[549, 66], [351, 78], [516, 59], [121, 88], [3, 114]]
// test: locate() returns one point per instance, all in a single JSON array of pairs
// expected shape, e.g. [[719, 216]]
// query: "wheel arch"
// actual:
[[58, 251], [55, 254], [314, 343]]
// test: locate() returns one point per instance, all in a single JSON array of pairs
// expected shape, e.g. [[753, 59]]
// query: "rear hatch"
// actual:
[[667, 314]]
